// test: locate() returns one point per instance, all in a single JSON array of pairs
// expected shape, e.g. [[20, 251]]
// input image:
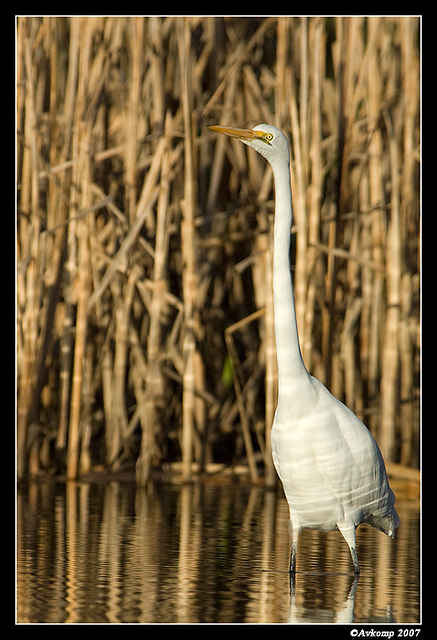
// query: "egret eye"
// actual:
[[268, 137]]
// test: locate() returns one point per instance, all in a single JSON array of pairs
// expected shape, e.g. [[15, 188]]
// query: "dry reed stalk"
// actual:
[[136, 39], [341, 66], [216, 170], [376, 202], [28, 248], [410, 73], [315, 183], [270, 356], [188, 252], [81, 199], [79, 231], [66, 344], [74, 429], [238, 379], [298, 164], [390, 354], [406, 370], [282, 96], [245, 428], [152, 404]]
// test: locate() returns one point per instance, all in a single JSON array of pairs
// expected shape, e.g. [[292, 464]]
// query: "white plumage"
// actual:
[[330, 466]]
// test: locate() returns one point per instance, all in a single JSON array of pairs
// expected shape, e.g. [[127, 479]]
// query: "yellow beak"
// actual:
[[240, 134]]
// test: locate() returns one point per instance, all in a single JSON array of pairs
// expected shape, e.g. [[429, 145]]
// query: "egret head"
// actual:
[[269, 141]]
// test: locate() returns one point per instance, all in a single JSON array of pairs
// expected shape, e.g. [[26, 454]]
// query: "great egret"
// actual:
[[331, 468]]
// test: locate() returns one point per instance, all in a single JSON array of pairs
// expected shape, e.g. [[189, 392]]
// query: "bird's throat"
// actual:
[[290, 362]]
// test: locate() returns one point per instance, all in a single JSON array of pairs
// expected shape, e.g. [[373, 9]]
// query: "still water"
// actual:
[[109, 552]]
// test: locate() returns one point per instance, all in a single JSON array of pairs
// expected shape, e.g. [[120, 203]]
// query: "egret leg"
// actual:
[[294, 539], [292, 590], [348, 533]]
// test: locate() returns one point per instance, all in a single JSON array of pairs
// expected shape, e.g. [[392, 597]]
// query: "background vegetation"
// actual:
[[144, 307]]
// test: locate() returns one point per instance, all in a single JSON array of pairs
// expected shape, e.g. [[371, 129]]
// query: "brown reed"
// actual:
[[144, 307]]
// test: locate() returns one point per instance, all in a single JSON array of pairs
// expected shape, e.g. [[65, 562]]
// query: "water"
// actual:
[[109, 552]]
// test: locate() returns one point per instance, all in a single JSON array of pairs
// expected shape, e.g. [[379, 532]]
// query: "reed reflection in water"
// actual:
[[201, 553]]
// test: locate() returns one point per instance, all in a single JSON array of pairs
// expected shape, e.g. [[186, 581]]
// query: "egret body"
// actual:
[[331, 468]]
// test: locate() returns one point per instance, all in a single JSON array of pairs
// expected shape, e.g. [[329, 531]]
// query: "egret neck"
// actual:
[[290, 362]]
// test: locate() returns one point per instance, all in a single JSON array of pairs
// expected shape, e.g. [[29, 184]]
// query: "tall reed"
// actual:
[[144, 308]]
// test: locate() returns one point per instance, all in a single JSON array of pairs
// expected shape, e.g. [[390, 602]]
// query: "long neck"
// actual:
[[290, 363]]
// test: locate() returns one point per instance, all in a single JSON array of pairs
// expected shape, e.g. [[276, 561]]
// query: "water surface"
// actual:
[[109, 552]]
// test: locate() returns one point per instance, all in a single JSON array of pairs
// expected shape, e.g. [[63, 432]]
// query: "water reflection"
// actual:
[[203, 553], [344, 612]]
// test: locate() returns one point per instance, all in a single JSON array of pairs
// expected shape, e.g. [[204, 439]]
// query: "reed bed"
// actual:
[[144, 306]]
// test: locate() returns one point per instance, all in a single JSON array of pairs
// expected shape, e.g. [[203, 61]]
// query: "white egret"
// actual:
[[331, 468]]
